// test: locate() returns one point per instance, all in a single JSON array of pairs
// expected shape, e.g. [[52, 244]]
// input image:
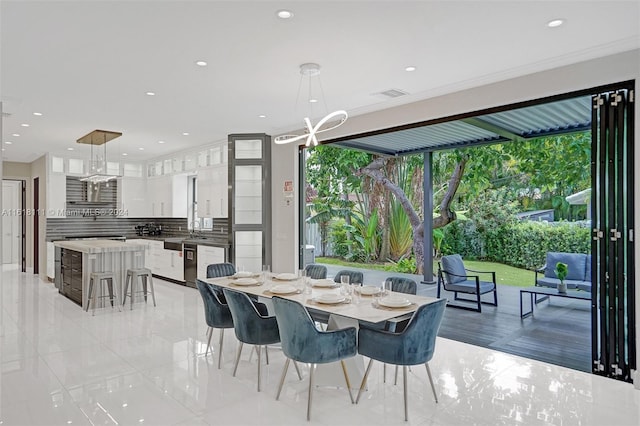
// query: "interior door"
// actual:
[[11, 222], [613, 295]]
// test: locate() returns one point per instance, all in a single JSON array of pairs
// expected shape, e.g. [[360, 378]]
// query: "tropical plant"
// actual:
[[366, 236], [399, 229]]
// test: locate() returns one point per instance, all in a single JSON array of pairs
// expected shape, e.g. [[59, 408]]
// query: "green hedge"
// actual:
[[522, 244]]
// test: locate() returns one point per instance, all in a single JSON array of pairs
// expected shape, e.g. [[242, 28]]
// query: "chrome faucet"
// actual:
[[195, 225]]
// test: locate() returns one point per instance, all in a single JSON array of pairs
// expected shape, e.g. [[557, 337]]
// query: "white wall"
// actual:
[[585, 75]]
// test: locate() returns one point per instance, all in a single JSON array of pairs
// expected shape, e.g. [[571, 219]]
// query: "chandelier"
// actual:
[[98, 160], [311, 71]]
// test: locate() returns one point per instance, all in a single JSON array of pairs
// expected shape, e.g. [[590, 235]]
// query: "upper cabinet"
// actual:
[[167, 196], [133, 197], [213, 192]]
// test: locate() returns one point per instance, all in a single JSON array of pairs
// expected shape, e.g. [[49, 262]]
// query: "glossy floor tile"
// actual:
[[61, 365]]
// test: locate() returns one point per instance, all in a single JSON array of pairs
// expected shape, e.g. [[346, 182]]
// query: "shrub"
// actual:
[[406, 265], [525, 244]]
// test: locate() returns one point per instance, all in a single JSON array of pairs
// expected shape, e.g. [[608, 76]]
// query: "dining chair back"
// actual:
[[251, 326], [303, 342], [216, 313], [317, 272], [414, 345], [216, 270], [402, 285], [355, 277]]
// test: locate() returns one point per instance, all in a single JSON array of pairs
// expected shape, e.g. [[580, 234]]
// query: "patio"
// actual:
[[559, 332]]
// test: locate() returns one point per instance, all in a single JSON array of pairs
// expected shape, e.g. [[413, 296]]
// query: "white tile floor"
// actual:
[[62, 366]]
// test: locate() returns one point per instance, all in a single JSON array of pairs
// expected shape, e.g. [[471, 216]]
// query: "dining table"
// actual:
[[349, 307]]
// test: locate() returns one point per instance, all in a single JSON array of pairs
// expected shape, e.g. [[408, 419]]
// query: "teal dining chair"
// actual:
[[303, 342], [412, 346]]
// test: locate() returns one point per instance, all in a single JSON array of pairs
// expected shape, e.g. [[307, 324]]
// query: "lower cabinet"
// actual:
[[163, 263], [208, 255], [71, 270]]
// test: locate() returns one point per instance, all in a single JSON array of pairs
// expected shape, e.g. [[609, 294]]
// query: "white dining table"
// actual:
[[353, 311]]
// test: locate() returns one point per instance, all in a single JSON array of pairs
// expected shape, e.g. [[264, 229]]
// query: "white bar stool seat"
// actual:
[[134, 276], [100, 278]]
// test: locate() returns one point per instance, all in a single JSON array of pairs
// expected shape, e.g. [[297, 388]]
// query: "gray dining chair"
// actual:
[[252, 327], [412, 346], [317, 272], [216, 313], [355, 277], [303, 342]]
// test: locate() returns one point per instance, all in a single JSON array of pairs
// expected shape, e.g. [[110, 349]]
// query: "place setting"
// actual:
[[392, 302], [246, 279]]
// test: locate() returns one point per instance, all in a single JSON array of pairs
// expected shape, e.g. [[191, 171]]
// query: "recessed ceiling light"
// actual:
[[69, 149], [555, 23], [37, 114], [8, 142], [15, 134], [141, 149], [410, 68], [184, 134], [313, 100], [160, 141], [24, 125], [201, 63], [284, 14], [262, 116], [2, 149], [151, 93], [124, 154]]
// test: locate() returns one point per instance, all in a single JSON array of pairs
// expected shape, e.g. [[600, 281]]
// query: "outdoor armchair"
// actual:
[[454, 277]]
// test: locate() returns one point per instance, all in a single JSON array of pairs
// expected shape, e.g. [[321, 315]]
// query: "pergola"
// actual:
[[511, 123]]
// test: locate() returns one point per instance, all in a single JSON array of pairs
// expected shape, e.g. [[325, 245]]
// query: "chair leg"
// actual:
[[266, 353], [235, 368], [210, 334], [284, 374], [220, 347], [395, 379], [346, 379], [364, 380], [258, 349], [406, 405], [295, 364], [479, 302], [495, 295], [311, 370], [384, 372], [433, 387]]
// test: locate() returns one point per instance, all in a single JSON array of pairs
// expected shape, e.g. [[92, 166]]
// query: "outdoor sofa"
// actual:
[[579, 276]]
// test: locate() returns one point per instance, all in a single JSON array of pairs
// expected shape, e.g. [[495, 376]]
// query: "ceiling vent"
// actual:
[[392, 93]]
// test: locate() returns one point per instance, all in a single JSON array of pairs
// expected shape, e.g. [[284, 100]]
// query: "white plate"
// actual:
[[245, 274], [324, 282], [368, 290], [394, 302], [330, 298], [286, 277], [245, 281], [283, 289]]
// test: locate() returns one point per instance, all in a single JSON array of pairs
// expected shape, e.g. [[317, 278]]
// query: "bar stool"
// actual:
[[100, 278], [134, 276]]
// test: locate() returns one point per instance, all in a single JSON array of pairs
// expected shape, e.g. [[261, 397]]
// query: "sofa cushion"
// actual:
[[469, 286], [453, 264], [575, 261], [553, 283], [587, 269], [584, 286]]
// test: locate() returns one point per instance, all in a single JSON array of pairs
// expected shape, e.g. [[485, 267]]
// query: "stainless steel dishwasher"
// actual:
[[190, 255]]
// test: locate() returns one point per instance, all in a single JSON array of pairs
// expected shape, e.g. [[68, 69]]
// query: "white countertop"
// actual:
[[99, 246]]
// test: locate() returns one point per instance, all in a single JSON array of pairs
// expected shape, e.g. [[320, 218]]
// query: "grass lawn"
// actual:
[[505, 275]]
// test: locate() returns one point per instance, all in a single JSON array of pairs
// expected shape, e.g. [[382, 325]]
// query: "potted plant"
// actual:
[[562, 269]]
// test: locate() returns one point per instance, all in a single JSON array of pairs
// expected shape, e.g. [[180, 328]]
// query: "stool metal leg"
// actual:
[[89, 295], [153, 293]]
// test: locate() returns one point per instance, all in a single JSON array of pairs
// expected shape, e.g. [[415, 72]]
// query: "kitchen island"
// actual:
[[77, 259]]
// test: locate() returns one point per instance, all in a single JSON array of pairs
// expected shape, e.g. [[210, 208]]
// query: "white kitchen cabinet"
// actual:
[[213, 191], [132, 197], [206, 256], [56, 195], [168, 195], [162, 262]]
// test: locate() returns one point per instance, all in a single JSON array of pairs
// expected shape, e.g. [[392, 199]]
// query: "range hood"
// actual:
[[97, 173]]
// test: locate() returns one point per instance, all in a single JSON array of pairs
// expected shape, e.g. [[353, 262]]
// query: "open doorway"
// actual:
[[609, 340]]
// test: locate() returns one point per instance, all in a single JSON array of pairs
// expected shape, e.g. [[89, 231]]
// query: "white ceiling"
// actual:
[[87, 64]]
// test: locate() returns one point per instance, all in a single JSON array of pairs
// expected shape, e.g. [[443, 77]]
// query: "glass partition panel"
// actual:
[[248, 149], [248, 195], [248, 250]]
